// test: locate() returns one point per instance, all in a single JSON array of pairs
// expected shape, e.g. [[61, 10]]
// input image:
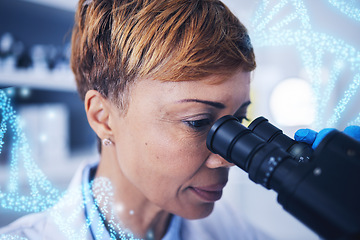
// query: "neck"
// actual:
[[133, 209]]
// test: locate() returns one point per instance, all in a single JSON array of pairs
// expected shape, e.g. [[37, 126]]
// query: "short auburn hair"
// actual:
[[116, 42]]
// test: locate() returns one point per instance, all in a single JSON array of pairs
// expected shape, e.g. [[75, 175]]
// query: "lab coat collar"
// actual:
[[97, 227]]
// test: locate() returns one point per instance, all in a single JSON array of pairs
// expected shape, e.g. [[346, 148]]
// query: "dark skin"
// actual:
[[158, 163]]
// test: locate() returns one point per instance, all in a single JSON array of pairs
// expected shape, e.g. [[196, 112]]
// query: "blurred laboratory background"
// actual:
[[308, 75]]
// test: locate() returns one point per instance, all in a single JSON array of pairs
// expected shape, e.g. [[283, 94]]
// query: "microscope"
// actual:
[[320, 187]]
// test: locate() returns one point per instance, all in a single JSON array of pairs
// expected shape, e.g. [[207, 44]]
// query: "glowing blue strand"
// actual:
[[348, 7], [312, 47], [68, 212], [334, 76], [261, 10], [286, 21], [5, 116], [314, 73], [42, 194], [356, 121], [260, 22], [11, 237], [100, 212], [340, 108], [303, 14], [262, 25]]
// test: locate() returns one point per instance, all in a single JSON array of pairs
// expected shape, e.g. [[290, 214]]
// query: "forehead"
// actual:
[[212, 88]]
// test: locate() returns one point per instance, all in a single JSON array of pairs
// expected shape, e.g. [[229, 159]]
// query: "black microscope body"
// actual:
[[321, 188]]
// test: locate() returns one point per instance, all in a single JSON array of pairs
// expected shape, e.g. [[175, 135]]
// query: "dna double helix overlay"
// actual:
[[65, 208], [316, 50], [350, 8], [293, 29], [42, 194]]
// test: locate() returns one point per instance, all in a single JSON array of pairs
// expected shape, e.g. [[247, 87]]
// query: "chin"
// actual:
[[198, 212]]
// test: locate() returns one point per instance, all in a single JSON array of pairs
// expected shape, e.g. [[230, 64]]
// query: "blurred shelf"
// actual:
[[55, 80], [31, 25]]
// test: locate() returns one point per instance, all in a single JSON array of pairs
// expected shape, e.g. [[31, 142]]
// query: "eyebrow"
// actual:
[[214, 104]]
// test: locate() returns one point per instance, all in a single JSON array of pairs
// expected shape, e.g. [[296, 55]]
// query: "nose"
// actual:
[[216, 161]]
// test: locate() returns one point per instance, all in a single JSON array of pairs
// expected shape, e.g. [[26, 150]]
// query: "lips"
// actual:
[[209, 193]]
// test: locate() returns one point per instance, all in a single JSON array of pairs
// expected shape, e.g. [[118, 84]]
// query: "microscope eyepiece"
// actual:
[[301, 152], [320, 188]]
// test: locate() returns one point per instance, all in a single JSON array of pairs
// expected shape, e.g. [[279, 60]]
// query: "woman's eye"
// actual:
[[198, 124]]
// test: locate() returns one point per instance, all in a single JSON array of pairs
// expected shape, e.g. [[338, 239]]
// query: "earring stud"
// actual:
[[107, 142]]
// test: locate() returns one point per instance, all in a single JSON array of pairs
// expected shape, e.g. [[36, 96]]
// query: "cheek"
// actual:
[[178, 156], [169, 169], [163, 161], [172, 156]]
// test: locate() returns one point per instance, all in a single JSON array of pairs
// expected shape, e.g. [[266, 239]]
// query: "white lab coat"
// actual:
[[67, 220]]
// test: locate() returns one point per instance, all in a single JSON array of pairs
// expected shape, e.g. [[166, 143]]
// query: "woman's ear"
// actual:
[[98, 113]]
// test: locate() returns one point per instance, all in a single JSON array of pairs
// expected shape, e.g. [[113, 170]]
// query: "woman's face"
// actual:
[[161, 141]]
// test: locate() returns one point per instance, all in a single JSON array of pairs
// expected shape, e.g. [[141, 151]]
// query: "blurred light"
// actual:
[[43, 137], [10, 92], [6, 42], [25, 92], [51, 114], [119, 207], [292, 103]]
